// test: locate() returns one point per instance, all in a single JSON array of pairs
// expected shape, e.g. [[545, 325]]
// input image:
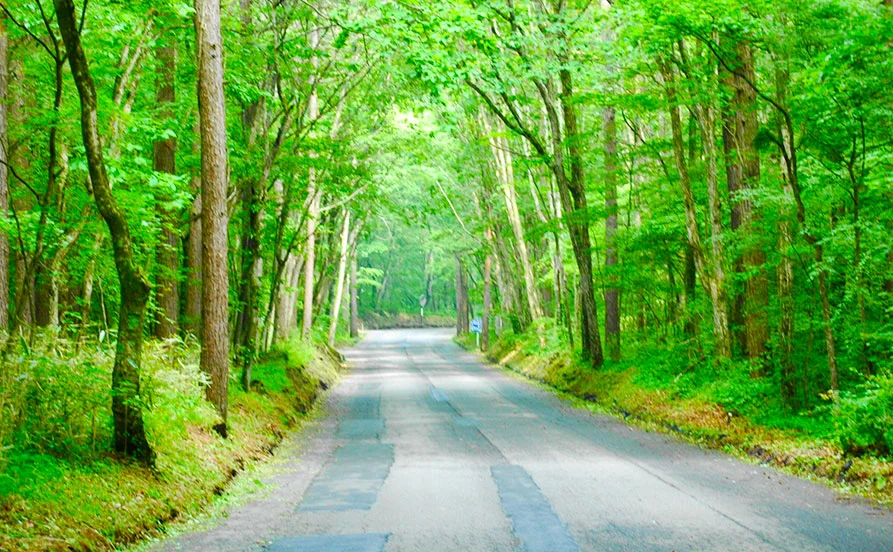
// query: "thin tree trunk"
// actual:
[[612, 291], [710, 279], [826, 318], [215, 217], [485, 318], [250, 279], [690, 285], [505, 175], [314, 206], [786, 305], [192, 317], [32, 266], [888, 282], [463, 309], [788, 150], [574, 204], [87, 296], [339, 283], [129, 433], [4, 176], [167, 256], [460, 329], [354, 300]]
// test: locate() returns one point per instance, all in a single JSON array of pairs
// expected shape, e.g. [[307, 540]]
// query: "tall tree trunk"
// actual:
[[192, 316], [250, 279], [788, 150], [710, 279], [339, 283], [564, 293], [499, 147], [459, 327], [612, 292], [129, 433], [4, 176], [579, 224], [167, 255], [826, 318], [429, 281], [786, 307], [740, 125], [573, 202], [314, 206], [888, 281], [215, 217], [25, 302], [717, 280], [354, 300], [462, 307], [488, 301]]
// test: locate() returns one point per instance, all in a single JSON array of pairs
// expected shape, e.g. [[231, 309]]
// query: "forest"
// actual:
[[200, 200]]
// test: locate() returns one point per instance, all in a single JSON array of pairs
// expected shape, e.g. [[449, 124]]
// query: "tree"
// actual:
[[215, 217], [129, 433], [4, 176], [164, 162]]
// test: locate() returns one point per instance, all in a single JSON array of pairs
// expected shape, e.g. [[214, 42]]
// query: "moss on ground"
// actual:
[[82, 498]]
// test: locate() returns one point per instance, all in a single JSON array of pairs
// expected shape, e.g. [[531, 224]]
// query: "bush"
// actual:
[[864, 417], [55, 397]]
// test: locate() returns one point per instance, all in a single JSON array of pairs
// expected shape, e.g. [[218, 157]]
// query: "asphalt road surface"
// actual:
[[426, 449]]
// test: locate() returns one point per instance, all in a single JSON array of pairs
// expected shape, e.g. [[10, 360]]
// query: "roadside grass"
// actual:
[[62, 489], [841, 442]]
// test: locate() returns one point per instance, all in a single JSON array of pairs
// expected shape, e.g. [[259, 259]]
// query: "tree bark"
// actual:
[[462, 307], [339, 283], [826, 318], [578, 223], [129, 433], [314, 206], [215, 217], [167, 255], [192, 317], [354, 300], [740, 126], [612, 291], [488, 300], [710, 279], [250, 278], [786, 306], [785, 271], [4, 176], [499, 148]]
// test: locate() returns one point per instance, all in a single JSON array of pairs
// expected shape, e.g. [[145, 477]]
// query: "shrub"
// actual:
[[55, 397], [864, 417]]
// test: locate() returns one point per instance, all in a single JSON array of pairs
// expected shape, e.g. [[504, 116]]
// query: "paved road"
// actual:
[[428, 450]]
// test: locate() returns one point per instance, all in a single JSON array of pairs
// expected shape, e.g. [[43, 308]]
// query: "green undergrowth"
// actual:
[[845, 441], [60, 486]]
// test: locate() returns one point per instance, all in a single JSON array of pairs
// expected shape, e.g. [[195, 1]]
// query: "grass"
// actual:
[[720, 407], [61, 489]]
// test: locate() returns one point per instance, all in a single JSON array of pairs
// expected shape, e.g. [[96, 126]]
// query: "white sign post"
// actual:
[[477, 326]]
